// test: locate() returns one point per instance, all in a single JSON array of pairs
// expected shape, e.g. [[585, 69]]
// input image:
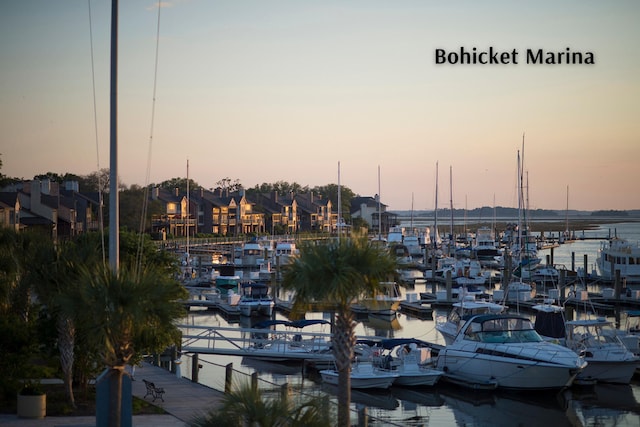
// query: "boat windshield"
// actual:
[[503, 330]]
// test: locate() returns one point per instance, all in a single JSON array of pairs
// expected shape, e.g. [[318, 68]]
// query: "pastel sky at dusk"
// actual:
[[267, 91]]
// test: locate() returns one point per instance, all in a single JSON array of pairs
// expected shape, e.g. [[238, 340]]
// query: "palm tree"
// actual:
[[335, 274], [126, 313], [245, 405]]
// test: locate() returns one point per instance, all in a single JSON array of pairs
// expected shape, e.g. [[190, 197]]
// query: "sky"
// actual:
[[331, 92]]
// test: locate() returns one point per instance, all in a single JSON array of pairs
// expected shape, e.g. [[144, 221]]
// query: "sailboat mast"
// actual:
[[188, 214], [452, 238], [566, 215], [339, 225], [114, 200], [411, 211], [435, 213], [379, 209]]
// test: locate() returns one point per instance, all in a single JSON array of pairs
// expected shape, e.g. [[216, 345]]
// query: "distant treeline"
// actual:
[[501, 212], [621, 214]]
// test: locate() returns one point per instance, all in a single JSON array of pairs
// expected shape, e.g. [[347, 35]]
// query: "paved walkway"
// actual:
[[183, 400]]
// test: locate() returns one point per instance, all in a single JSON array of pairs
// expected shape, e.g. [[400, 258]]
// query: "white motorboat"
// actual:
[[619, 255], [410, 359], [484, 248], [503, 350], [630, 333], [294, 343], [450, 325], [515, 291], [609, 360], [285, 252], [255, 298], [363, 375], [251, 254]]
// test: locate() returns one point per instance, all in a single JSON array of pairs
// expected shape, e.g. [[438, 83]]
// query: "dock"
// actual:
[[183, 398]]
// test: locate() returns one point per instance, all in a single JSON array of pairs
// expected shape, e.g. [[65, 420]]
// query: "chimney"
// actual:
[[177, 190], [155, 193]]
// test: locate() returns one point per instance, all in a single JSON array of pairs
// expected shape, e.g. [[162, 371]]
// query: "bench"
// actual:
[[153, 391]]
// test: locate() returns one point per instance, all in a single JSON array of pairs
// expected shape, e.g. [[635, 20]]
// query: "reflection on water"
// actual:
[[444, 404]]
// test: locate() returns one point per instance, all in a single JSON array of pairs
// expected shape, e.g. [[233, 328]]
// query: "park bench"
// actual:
[[153, 391]]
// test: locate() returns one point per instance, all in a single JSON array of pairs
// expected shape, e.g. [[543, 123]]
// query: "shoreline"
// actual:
[[538, 225]]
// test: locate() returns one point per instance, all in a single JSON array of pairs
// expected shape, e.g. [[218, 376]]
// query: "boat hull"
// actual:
[[617, 372], [480, 367], [419, 377], [363, 376]]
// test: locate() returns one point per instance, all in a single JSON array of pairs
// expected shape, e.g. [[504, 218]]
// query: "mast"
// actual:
[[114, 197], [452, 238], [188, 214], [435, 214], [379, 209], [566, 216], [411, 211], [339, 225]]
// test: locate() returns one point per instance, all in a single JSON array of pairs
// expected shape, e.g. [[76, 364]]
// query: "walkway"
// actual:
[[183, 400]]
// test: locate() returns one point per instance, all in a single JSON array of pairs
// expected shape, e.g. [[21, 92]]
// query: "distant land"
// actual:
[[540, 220], [488, 213]]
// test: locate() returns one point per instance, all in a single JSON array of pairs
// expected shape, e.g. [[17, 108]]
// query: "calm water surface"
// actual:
[[446, 405]]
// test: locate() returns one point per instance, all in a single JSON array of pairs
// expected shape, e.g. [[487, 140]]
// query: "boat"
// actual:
[[414, 246], [410, 359], [363, 375], [461, 311], [255, 299], [516, 291], [395, 235], [609, 360], [549, 320], [470, 272], [384, 303], [252, 254], [630, 333], [401, 252], [504, 351], [485, 249], [292, 344], [608, 357], [284, 252], [226, 280], [621, 255]]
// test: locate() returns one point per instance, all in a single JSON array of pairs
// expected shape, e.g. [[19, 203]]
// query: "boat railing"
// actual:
[[240, 341], [205, 337]]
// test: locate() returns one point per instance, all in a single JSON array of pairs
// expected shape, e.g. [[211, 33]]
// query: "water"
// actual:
[[445, 405]]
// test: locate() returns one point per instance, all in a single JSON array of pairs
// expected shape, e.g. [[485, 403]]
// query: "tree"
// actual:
[[179, 183], [281, 187], [128, 312], [225, 184], [330, 192], [248, 406], [335, 274], [132, 203], [18, 338]]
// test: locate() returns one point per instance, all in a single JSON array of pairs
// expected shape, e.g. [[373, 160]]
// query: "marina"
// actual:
[[444, 403]]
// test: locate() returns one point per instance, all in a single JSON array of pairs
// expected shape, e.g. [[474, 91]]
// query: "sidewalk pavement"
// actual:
[[183, 400]]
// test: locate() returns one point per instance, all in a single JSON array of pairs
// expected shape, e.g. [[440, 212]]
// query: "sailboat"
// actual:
[[518, 290]]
